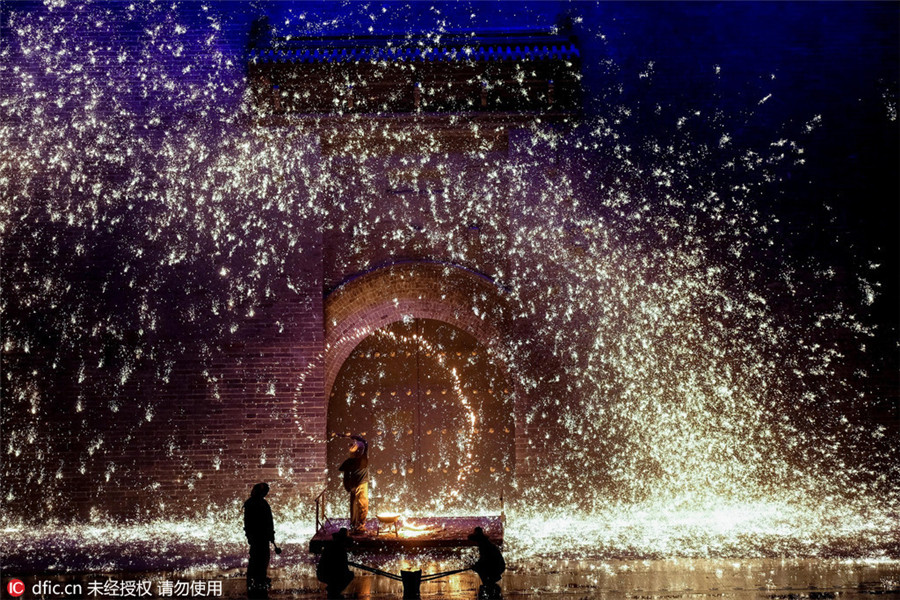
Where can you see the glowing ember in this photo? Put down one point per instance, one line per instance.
(413, 530)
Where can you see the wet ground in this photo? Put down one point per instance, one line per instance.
(775, 579)
(777, 555)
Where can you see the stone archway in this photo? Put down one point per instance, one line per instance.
(396, 298)
(444, 292)
(437, 412)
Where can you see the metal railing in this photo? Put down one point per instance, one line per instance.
(321, 517)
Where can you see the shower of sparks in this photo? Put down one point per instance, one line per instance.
(687, 379)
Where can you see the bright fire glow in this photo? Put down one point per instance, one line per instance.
(413, 530)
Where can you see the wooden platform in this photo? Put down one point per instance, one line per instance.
(417, 534)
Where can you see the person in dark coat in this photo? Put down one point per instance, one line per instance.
(356, 482)
(489, 566)
(333, 569)
(260, 530)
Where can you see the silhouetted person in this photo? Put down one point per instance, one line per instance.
(332, 569)
(356, 481)
(489, 566)
(260, 530)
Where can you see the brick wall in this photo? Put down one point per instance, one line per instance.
(177, 253)
(154, 362)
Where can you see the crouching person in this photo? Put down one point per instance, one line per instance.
(333, 569)
(489, 566)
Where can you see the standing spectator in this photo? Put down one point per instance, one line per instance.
(260, 530)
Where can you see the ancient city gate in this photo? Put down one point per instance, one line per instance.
(415, 354)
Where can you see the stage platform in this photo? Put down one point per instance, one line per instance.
(420, 533)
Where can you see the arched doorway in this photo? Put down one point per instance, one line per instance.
(438, 413)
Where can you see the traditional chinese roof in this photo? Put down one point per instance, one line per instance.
(517, 72)
(473, 49)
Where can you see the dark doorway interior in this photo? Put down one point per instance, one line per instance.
(437, 412)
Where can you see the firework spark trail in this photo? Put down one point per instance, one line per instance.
(134, 206)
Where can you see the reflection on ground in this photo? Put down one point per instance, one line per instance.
(773, 579)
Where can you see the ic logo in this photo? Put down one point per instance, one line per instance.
(15, 587)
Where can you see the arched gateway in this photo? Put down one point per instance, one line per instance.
(414, 361)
